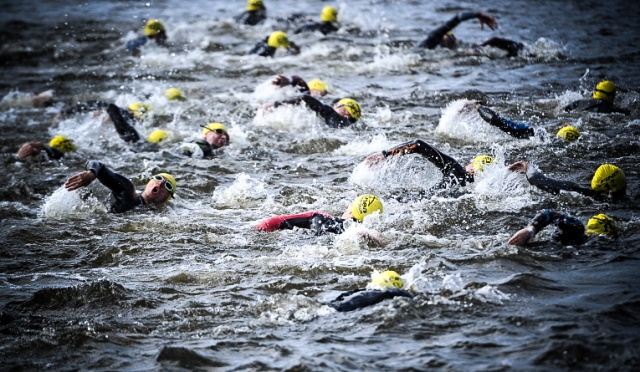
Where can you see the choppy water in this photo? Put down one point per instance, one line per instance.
(190, 286)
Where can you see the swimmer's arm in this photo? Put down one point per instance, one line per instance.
(30, 149)
(113, 181)
(436, 157)
(517, 130)
(435, 36)
(539, 180)
(123, 123)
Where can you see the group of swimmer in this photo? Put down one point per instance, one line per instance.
(608, 183)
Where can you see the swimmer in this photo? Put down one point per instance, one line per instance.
(58, 146)
(601, 101)
(160, 188)
(214, 136)
(383, 286)
(269, 46)
(570, 230)
(322, 223)
(255, 13)
(327, 24)
(153, 30)
(343, 113)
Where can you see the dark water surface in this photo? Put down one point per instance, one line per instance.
(191, 286)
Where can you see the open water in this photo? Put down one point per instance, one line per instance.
(191, 287)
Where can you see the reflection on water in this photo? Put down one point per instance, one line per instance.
(190, 285)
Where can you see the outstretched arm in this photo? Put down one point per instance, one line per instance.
(517, 130)
(570, 227)
(123, 123)
(435, 37)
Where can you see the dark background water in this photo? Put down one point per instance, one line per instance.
(190, 286)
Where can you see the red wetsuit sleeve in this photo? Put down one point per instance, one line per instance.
(283, 222)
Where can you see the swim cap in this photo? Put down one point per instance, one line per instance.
(62, 143)
(158, 135)
(278, 39)
(569, 133)
(153, 27)
(329, 14)
(213, 127)
(171, 180)
(480, 161)
(602, 225)
(253, 5)
(352, 107)
(139, 109)
(174, 94)
(317, 84)
(364, 205)
(608, 177)
(605, 90)
(388, 279)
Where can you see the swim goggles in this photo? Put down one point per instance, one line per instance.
(219, 131)
(167, 185)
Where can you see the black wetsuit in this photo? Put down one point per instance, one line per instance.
(570, 229)
(251, 17)
(123, 194)
(453, 172)
(124, 121)
(263, 49)
(595, 105)
(324, 27)
(326, 112)
(547, 184)
(207, 149)
(511, 47)
(362, 298)
(517, 130)
(435, 37)
(319, 222)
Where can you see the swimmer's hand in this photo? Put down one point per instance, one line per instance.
(30, 149)
(374, 159)
(488, 20)
(519, 166)
(79, 180)
(280, 81)
(521, 237)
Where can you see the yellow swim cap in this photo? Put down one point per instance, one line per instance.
(139, 109)
(608, 177)
(352, 106)
(153, 27)
(174, 94)
(602, 225)
(62, 143)
(317, 84)
(569, 133)
(214, 127)
(158, 135)
(253, 5)
(278, 39)
(329, 14)
(364, 205)
(605, 90)
(388, 279)
(171, 180)
(480, 161)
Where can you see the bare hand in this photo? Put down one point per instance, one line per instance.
(519, 166)
(280, 81)
(488, 20)
(30, 149)
(374, 159)
(79, 180)
(521, 237)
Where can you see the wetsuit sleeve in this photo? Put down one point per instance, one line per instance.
(298, 82)
(517, 130)
(53, 153)
(309, 27)
(451, 169)
(288, 222)
(510, 46)
(324, 223)
(123, 122)
(550, 185)
(571, 229)
(263, 49)
(134, 45)
(123, 193)
(251, 18)
(365, 298)
(435, 37)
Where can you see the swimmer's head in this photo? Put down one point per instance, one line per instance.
(167, 180)
(602, 225)
(569, 133)
(364, 205)
(448, 40)
(153, 27)
(386, 280)
(139, 109)
(158, 136)
(318, 87)
(62, 143)
(174, 94)
(352, 107)
(253, 5)
(278, 39)
(605, 90)
(608, 177)
(480, 161)
(329, 14)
